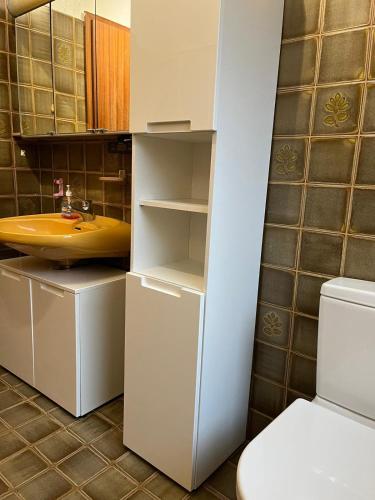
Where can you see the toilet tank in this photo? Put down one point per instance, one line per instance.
(346, 345)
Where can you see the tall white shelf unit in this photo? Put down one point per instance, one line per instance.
(203, 80)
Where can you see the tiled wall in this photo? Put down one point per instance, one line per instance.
(320, 217)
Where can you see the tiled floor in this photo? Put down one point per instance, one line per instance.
(47, 454)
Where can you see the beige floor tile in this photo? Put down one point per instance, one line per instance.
(90, 428)
(38, 429)
(12, 380)
(114, 411)
(202, 494)
(165, 489)
(74, 495)
(48, 486)
(8, 399)
(59, 446)
(20, 414)
(136, 467)
(140, 495)
(3, 428)
(82, 466)
(3, 487)
(63, 416)
(26, 390)
(110, 444)
(22, 467)
(45, 403)
(224, 481)
(10, 444)
(111, 485)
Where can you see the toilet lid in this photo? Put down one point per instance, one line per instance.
(309, 453)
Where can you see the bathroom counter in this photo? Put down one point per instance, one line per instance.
(72, 280)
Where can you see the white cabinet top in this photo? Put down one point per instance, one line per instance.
(73, 280)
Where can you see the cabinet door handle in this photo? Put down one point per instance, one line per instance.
(53, 290)
(161, 287)
(169, 126)
(11, 276)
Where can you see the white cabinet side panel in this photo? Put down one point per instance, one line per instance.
(246, 89)
(16, 339)
(162, 372)
(173, 64)
(55, 349)
(102, 332)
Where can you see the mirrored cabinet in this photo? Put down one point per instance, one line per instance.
(73, 65)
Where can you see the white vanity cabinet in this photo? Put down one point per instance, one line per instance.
(203, 88)
(64, 330)
(16, 341)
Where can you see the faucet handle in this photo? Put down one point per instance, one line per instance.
(87, 205)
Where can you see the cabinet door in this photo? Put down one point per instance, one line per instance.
(162, 373)
(73, 71)
(173, 65)
(35, 75)
(55, 345)
(16, 339)
(112, 49)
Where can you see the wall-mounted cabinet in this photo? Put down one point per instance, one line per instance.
(63, 331)
(73, 67)
(174, 65)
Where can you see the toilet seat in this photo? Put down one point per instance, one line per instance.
(309, 453)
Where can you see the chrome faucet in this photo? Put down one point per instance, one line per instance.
(69, 207)
(85, 211)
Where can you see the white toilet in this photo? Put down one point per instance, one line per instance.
(325, 450)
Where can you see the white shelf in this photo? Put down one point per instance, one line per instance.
(187, 273)
(185, 205)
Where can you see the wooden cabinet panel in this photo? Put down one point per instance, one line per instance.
(162, 374)
(16, 340)
(107, 73)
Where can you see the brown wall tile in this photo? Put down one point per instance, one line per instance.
(305, 336)
(343, 57)
(280, 246)
(308, 294)
(321, 253)
(270, 362)
(284, 204)
(326, 208)
(273, 325)
(340, 14)
(363, 220)
(288, 160)
(360, 259)
(292, 114)
(276, 287)
(331, 160)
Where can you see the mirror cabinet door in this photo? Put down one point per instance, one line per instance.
(34, 68)
(112, 50)
(73, 61)
(70, 69)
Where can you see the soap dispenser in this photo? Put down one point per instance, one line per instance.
(66, 206)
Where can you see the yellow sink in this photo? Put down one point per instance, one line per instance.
(64, 240)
